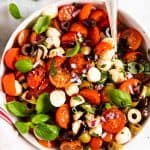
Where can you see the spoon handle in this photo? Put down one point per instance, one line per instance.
(112, 9)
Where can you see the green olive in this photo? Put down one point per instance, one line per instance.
(85, 50)
(85, 137)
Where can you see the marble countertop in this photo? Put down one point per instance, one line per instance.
(138, 9)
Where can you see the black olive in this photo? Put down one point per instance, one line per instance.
(27, 50)
(66, 135)
(89, 23)
(65, 26)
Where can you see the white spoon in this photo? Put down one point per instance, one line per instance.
(112, 9)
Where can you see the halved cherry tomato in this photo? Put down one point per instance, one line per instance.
(35, 77)
(79, 28)
(10, 57)
(128, 85)
(79, 62)
(23, 37)
(132, 56)
(55, 23)
(97, 15)
(101, 47)
(33, 37)
(71, 145)
(58, 62)
(47, 144)
(61, 79)
(65, 12)
(133, 37)
(69, 37)
(96, 143)
(113, 120)
(108, 137)
(91, 96)
(85, 11)
(63, 116)
(104, 23)
(8, 82)
(94, 34)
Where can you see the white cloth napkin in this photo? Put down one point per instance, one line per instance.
(138, 9)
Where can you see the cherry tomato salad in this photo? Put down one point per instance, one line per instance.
(68, 86)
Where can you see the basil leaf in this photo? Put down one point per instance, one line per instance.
(39, 118)
(74, 51)
(43, 103)
(46, 132)
(107, 105)
(17, 108)
(120, 98)
(14, 11)
(53, 71)
(42, 24)
(24, 65)
(23, 127)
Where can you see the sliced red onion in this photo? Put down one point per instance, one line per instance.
(76, 13)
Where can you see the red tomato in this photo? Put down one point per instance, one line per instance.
(63, 116)
(35, 77)
(133, 37)
(97, 15)
(48, 144)
(96, 143)
(113, 120)
(65, 12)
(91, 96)
(69, 37)
(71, 145)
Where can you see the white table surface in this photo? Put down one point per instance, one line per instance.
(139, 9)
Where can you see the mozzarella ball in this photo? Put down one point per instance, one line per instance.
(96, 131)
(51, 11)
(117, 76)
(18, 88)
(118, 64)
(104, 65)
(57, 98)
(76, 100)
(93, 74)
(72, 89)
(134, 116)
(52, 32)
(56, 52)
(107, 54)
(123, 136)
(52, 41)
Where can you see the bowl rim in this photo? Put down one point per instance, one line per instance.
(30, 19)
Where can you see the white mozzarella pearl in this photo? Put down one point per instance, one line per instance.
(52, 32)
(18, 88)
(72, 89)
(93, 74)
(123, 136)
(76, 100)
(76, 126)
(57, 98)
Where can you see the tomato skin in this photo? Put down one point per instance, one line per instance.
(79, 28)
(128, 85)
(108, 137)
(96, 143)
(133, 37)
(65, 12)
(114, 120)
(94, 34)
(91, 96)
(23, 37)
(10, 57)
(101, 47)
(97, 15)
(35, 77)
(63, 116)
(48, 144)
(79, 61)
(85, 11)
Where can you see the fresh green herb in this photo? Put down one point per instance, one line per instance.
(77, 98)
(74, 51)
(17, 108)
(134, 68)
(147, 68)
(43, 103)
(88, 108)
(23, 127)
(120, 98)
(24, 65)
(39, 118)
(103, 65)
(94, 134)
(107, 105)
(14, 11)
(104, 77)
(53, 70)
(46, 132)
(42, 24)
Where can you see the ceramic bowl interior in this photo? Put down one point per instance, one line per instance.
(123, 16)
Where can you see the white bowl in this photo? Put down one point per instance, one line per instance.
(124, 17)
